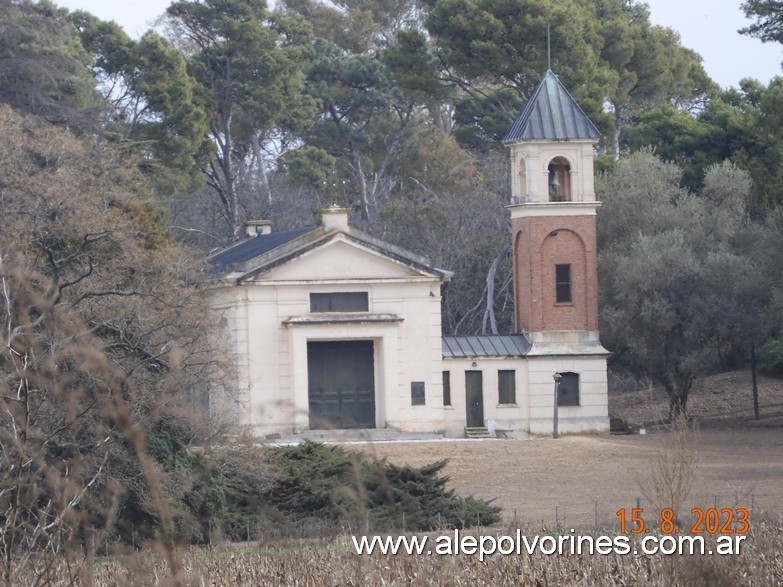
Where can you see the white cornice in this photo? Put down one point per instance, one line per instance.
(530, 209)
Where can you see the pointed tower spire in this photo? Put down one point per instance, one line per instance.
(551, 114)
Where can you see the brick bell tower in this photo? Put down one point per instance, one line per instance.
(553, 227)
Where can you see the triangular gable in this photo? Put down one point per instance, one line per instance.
(551, 114)
(341, 258)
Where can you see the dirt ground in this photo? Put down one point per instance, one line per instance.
(720, 401)
(581, 481)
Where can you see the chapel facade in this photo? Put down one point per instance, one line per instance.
(332, 328)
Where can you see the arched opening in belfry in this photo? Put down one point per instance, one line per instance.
(559, 180)
(522, 181)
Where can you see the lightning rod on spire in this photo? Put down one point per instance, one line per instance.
(548, 49)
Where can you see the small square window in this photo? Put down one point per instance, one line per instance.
(507, 387)
(568, 390)
(562, 284)
(447, 388)
(417, 393)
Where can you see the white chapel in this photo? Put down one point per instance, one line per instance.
(332, 328)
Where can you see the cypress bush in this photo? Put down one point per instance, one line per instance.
(330, 483)
(308, 490)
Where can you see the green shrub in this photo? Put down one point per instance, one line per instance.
(309, 490)
(771, 358)
(194, 488)
(320, 482)
(420, 495)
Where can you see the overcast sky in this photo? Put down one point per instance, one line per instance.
(707, 26)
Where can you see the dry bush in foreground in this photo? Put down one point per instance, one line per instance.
(103, 355)
(672, 472)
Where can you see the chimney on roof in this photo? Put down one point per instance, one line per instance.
(335, 218)
(256, 227)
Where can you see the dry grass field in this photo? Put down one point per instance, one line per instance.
(546, 486)
(760, 564)
(574, 479)
(742, 467)
(581, 481)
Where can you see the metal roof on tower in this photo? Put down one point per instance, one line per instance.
(551, 114)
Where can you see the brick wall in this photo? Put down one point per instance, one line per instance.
(540, 243)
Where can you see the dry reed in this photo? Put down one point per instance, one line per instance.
(759, 563)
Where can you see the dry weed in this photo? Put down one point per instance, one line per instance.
(669, 479)
(760, 563)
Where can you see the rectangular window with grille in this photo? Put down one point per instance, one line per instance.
(507, 387)
(342, 301)
(447, 388)
(562, 284)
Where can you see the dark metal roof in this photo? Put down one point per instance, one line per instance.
(485, 345)
(264, 252)
(551, 114)
(253, 247)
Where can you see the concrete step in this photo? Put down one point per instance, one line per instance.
(619, 426)
(477, 432)
(352, 435)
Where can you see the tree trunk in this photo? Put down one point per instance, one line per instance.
(678, 400)
(489, 311)
(365, 201)
(676, 409)
(618, 127)
(755, 383)
(223, 174)
(261, 163)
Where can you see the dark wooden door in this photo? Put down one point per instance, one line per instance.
(341, 384)
(474, 398)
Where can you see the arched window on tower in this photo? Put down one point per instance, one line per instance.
(559, 180)
(522, 182)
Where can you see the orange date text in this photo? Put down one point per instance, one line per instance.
(702, 521)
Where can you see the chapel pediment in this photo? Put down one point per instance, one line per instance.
(334, 251)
